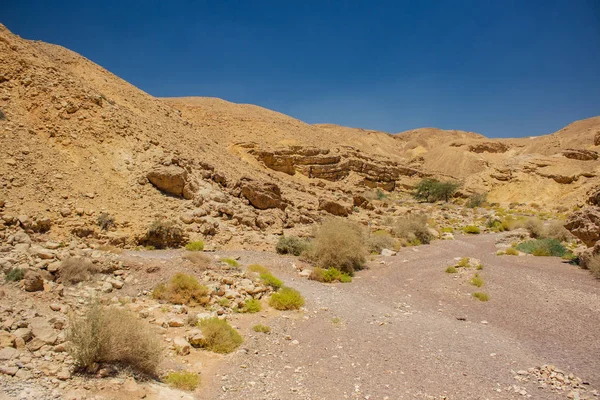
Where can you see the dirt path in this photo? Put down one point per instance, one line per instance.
(405, 329)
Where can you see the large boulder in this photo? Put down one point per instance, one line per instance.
(585, 225)
(263, 195)
(33, 281)
(335, 207)
(173, 180)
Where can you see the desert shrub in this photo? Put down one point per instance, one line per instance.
(261, 328)
(534, 226)
(329, 275)
(182, 289)
(15, 274)
(340, 244)
(219, 336)
(270, 280)
(291, 245)
(286, 299)
(200, 260)
(556, 230)
(198, 245)
(183, 380)
(412, 228)
(463, 263)
(481, 296)
(431, 190)
(471, 229)
(593, 264)
(380, 240)
(259, 269)
(543, 247)
(447, 229)
(231, 262)
(113, 336)
(497, 225)
(476, 200)
(511, 251)
(163, 234)
(74, 270)
(477, 281)
(251, 306)
(479, 267)
(105, 221)
(451, 270)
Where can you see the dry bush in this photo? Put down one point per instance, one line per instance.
(535, 227)
(105, 221)
(220, 337)
(162, 234)
(200, 260)
(182, 289)
(340, 244)
(74, 270)
(593, 264)
(184, 380)
(114, 336)
(291, 245)
(556, 230)
(380, 240)
(412, 228)
(286, 299)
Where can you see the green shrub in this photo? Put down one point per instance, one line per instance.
(329, 275)
(463, 263)
(340, 244)
(477, 281)
(479, 267)
(286, 299)
(113, 336)
(224, 302)
(259, 269)
(380, 240)
(231, 262)
(345, 278)
(481, 296)
(219, 336)
(476, 200)
(183, 380)
(252, 306)
(451, 270)
(432, 190)
(543, 247)
(511, 251)
(195, 246)
(182, 289)
(496, 225)
(413, 229)
(471, 229)
(261, 328)
(270, 280)
(15, 274)
(291, 245)
(163, 234)
(447, 229)
(105, 221)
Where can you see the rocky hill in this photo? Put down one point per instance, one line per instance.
(79, 142)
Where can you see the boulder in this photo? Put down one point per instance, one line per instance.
(33, 282)
(263, 195)
(585, 256)
(388, 252)
(338, 208)
(585, 225)
(196, 338)
(182, 347)
(173, 180)
(8, 353)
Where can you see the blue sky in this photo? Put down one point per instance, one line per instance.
(501, 68)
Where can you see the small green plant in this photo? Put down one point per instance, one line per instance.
(479, 267)
(345, 278)
(198, 245)
(336, 321)
(447, 229)
(231, 262)
(219, 336)
(270, 280)
(15, 274)
(259, 269)
(481, 296)
(286, 299)
(182, 289)
(511, 251)
(543, 247)
(291, 245)
(463, 263)
(261, 328)
(472, 230)
(329, 275)
(224, 302)
(477, 281)
(451, 270)
(183, 380)
(252, 306)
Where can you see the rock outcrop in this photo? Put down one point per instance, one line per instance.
(581, 154)
(262, 195)
(173, 180)
(585, 225)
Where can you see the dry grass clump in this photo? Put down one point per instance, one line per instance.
(511, 251)
(291, 245)
(477, 281)
(556, 230)
(593, 265)
(329, 275)
(451, 270)
(413, 229)
(259, 269)
(183, 380)
(340, 244)
(270, 280)
(219, 336)
(231, 262)
(261, 328)
(114, 336)
(472, 230)
(286, 299)
(251, 306)
(200, 260)
(198, 245)
(74, 270)
(481, 296)
(380, 240)
(163, 234)
(182, 289)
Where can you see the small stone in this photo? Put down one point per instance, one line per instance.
(55, 307)
(63, 374)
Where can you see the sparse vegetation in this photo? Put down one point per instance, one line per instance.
(511, 251)
(340, 244)
(481, 296)
(477, 280)
(220, 337)
(74, 270)
(183, 380)
(291, 245)
(329, 275)
(412, 229)
(251, 306)
(432, 190)
(259, 269)
(472, 230)
(270, 280)
(182, 289)
(476, 200)
(224, 302)
(197, 245)
(451, 270)
(286, 299)
(113, 336)
(543, 247)
(15, 274)
(380, 240)
(105, 221)
(261, 328)
(163, 234)
(463, 263)
(231, 262)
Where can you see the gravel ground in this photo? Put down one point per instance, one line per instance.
(405, 329)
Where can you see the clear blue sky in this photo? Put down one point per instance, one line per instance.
(501, 68)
